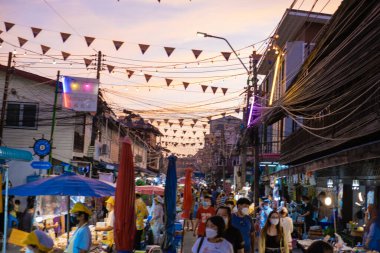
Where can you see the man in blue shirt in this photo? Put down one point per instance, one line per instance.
(243, 222)
(265, 213)
(80, 242)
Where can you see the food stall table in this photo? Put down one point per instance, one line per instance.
(305, 244)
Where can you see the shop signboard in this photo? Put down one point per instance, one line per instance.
(41, 165)
(80, 94)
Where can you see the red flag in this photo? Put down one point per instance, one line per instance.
(226, 55)
(170, 124)
(165, 130)
(204, 88)
(180, 120)
(237, 110)
(194, 132)
(196, 53)
(22, 41)
(184, 131)
(118, 44)
(44, 49)
(185, 85)
(166, 121)
(87, 62)
(224, 90)
(192, 125)
(143, 48)
(151, 121)
(8, 26)
(89, 40)
(130, 73)
(65, 36)
(147, 77)
(65, 55)
(174, 131)
(168, 81)
(110, 68)
(35, 31)
(169, 50)
(181, 125)
(214, 89)
(158, 122)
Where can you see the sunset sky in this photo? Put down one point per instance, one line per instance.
(171, 23)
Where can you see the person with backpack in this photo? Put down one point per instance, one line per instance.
(213, 242)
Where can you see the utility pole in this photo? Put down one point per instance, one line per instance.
(243, 149)
(256, 138)
(8, 74)
(95, 119)
(54, 119)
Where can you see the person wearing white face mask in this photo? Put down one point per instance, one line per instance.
(213, 242)
(243, 222)
(231, 233)
(272, 237)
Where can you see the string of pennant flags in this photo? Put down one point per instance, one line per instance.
(90, 39)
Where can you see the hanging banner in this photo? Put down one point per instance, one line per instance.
(80, 94)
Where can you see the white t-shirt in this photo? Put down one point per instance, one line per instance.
(110, 220)
(209, 247)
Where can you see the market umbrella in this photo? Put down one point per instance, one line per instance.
(170, 206)
(125, 226)
(187, 194)
(150, 189)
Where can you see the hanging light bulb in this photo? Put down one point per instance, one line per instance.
(1, 44)
(141, 73)
(14, 51)
(40, 59)
(277, 52)
(330, 183)
(25, 53)
(54, 62)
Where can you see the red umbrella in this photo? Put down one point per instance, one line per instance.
(125, 201)
(150, 189)
(187, 194)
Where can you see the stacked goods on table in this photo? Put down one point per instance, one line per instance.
(315, 232)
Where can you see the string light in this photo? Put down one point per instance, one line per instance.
(25, 53)
(14, 51)
(1, 45)
(54, 62)
(141, 73)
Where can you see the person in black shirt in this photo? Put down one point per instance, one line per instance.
(307, 212)
(231, 234)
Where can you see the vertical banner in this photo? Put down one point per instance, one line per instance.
(80, 94)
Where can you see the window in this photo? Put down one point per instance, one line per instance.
(21, 115)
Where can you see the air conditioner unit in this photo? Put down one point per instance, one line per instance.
(104, 149)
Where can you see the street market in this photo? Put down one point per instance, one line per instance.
(175, 126)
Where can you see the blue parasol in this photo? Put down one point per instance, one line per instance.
(170, 206)
(67, 184)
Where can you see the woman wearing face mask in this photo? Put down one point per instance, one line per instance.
(204, 212)
(231, 234)
(39, 242)
(273, 238)
(214, 241)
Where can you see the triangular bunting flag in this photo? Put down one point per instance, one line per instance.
(192, 125)
(237, 110)
(174, 131)
(174, 136)
(65, 55)
(87, 62)
(184, 131)
(226, 55)
(147, 77)
(166, 121)
(35, 31)
(169, 50)
(44, 49)
(201, 143)
(151, 121)
(204, 88)
(143, 48)
(165, 130)
(194, 132)
(195, 121)
(118, 44)
(89, 40)
(181, 125)
(204, 133)
(1, 40)
(65, 36)
(168, 81)
(223, 114)
(180, 120)
(130, 73)
(110, 68)
(170, 124)
(158, 123)
(196, 53)
(224, 90)
(22, 41)
(198, 138)
(182, 137)
(214, 89)
(185, 85)
(209, 118)
(204, 125)
(1, 31)
(8, 26)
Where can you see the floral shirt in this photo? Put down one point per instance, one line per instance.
(141, 213)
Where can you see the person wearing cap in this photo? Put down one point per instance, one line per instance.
(80, 241)
(287, 224)
(109, 222)
(39, 242)
(157, 221)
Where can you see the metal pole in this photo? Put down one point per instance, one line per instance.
(5, 168)
(5, 96)
(54, 119)
(243, 151)
(256, 137)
